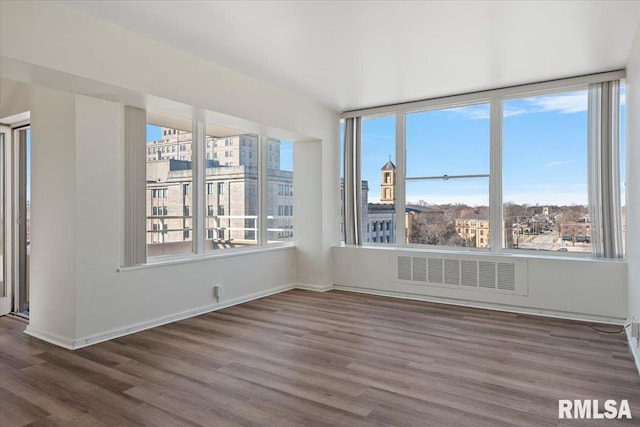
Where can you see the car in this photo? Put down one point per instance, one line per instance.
(562, 250)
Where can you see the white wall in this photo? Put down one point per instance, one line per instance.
(87, 299)
(633, 185)
(52, 270)
(579, 289)
(48, 44)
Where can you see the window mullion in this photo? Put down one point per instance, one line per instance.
(401, 226)
(262, 220)
(199, 186)
(495, 179)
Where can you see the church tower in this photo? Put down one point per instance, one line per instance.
(388, 184)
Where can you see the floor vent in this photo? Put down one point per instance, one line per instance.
(506, 276)
(465, 272)
(404, 268)
(419, 269)
(435, 270)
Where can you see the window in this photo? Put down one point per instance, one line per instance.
(519, 168)
(160, 180)
(279, 191)
(378, 173)
(232, 199)
(544, 174)
(231, 213)
(447, 174)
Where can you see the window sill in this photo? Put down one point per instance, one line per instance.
(525, 254)
(168, 260)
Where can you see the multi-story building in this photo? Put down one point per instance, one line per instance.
(231, 188)
(579, 231)
(233, 150)
(474, 228)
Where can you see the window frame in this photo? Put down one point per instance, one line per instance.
(196, 190)
(495, 98)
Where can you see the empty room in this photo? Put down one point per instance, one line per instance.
(323, 213)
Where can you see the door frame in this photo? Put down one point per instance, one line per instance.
(6, 168)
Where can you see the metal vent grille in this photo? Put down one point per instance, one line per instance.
(419, 269)
(506, 276)
(469, 273)
(487, 276)
(499, 276)
(404, 268)
(435, 270)
(451, 271)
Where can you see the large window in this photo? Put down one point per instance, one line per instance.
(2, 208)
(203, 188)
(279, 190)
(378, 180)
(447, 188)
(533, 168)
(623, 164)
(232, 176)
(169, 197)
(544, 173)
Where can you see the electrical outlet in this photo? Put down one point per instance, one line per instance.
(217, 292)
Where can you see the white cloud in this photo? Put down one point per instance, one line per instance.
(556, 163)
(564, 103)
(441, 199)
(473, 112)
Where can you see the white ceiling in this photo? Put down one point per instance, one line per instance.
(355, 54)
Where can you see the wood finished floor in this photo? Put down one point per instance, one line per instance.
(321, 359)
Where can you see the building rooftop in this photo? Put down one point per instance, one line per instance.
(389, 166)
(422, 209)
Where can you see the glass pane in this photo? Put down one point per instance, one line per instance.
(279, 191)
(2, 172)
(448, 213)
(454, 141)
(231, 189)
(378, 179)
(545, 186)
(623, 162)
(169, 190)
(342, 180)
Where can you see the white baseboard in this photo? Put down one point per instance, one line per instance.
(50, 338)
(633, 347)
(313, 287)
(485, 305)
(119, 332)
(88, 340)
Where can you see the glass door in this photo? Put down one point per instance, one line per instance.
(23, 235)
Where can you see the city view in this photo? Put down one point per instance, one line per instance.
(544, 175)
(231, 187)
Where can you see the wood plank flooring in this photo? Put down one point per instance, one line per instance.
(321, 359)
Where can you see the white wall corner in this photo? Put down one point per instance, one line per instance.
(313, 287)
(634, 347)
(51, 338)
(132, 329)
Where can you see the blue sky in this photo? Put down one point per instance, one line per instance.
(544, 151)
